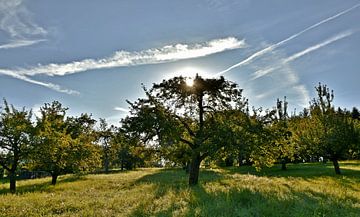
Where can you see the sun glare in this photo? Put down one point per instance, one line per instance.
(189, 73)
(189, 82)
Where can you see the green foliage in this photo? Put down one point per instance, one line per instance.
(175, 113)
(329, 133)
(63, 146)
(15, 134)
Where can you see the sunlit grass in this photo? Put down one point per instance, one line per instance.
(302, 190)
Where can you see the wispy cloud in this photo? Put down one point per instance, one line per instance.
(164, 54)
(121, 109)
(16, 21)
(274, 46)
(262, 72)
(304, 101)
(51, 86)
(20, 43)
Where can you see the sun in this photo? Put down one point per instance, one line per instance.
(189, 82)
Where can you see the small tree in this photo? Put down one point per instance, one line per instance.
(15, 132)
(105, 136)
(283, 144)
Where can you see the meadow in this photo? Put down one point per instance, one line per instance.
(310, 189)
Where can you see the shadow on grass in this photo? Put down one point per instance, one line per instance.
(306, 170)
(45, 185)
(209, 198)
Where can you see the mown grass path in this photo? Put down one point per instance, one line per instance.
(303, 190)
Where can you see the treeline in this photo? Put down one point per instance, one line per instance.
(207, 123)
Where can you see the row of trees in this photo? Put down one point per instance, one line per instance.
(179, 125)
(58, 144)
(211, 121)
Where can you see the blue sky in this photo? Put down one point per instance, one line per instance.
(93, 55)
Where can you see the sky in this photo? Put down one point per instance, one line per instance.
(92, 56)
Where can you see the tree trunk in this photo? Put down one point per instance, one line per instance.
(194, 170)
(283, 164)
(12, 177)
(187, 167)
(106, 164)
(54, 178)
(122, 165)
(336, 166)
(240, 160)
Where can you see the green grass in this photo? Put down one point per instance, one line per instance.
(302, 190)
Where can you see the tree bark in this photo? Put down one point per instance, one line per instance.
(54, 178)
(12, 177)
(194, 170)
(336, 166)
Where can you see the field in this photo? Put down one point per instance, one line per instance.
(302, 190)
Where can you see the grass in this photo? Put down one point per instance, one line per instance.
(302, 190)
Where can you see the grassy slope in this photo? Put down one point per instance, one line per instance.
(303, 190)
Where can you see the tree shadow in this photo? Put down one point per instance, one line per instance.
(205, 200)
(44, 186)
(306, 170)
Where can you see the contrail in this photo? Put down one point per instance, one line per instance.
(272, 47)
(318, 46)
(263, 72)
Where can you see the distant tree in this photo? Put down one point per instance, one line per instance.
(332, 133)
(355, 114)
(282, 135)
(192, 108)
(15, 132)
(85, 155)
(129, 151)
(230, 132)
(263, 150)
(63, 145)
(105, 136)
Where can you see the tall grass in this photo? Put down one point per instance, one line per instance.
(302, 190)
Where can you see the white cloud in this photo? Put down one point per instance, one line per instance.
(124, 58)
(16, 21)
(304, 102)
(274, 46)
(20, 43)
(151, 56)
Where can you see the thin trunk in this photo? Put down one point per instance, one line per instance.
(12, 177)
(106, 165)
(240, 160)
(194, 170)
(54, 178)
(336, 166)
(283, 164)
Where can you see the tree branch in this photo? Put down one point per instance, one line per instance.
(187, 127)
(4, 165)
(192, 146)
